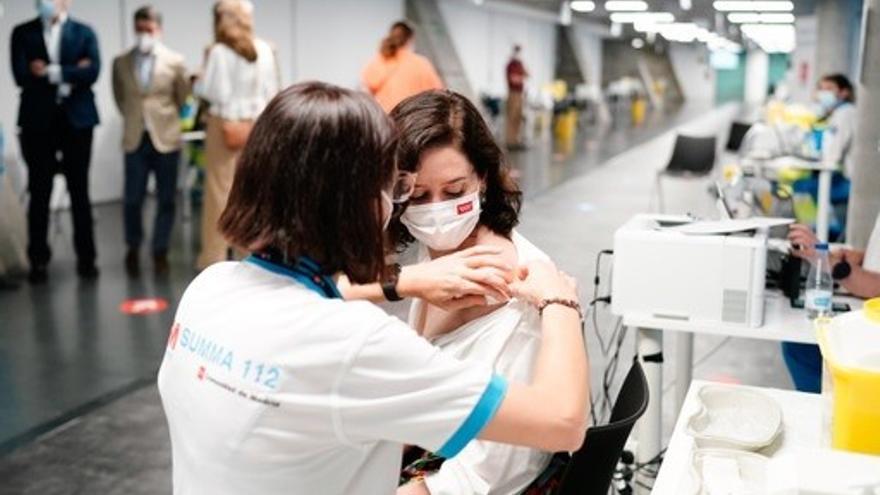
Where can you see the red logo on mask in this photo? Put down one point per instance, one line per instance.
(201, 373)
(465, 207)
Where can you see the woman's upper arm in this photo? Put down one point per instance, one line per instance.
(524, 419)
(374, 75)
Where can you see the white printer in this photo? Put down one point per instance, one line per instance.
(661, 272)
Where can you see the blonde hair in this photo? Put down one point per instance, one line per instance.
(234, 27)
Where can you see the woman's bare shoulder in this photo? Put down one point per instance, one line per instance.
(486, 237)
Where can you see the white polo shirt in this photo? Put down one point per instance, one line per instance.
(271, 388)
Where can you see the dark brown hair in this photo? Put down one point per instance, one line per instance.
(842, 82)
(309, 180)
(398, 36)
(148, 13)
(444, 118)
(233, 27)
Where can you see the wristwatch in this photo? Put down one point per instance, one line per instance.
(389, 287)
(841, 270)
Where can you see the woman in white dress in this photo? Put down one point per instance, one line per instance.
(239, 78)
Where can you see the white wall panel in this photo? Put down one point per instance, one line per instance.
(484, 35)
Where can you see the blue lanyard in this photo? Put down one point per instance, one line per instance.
(305, 271)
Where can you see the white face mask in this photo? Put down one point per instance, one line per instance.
(387, 209)
(827, 99)
(445, 225)
(145, 42)
(46, 9)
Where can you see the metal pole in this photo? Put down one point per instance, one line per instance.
(684, 367)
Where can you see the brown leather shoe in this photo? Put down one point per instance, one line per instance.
(160, 264)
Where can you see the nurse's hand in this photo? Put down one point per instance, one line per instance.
(459, 280)
(540, 280)
(803, 241)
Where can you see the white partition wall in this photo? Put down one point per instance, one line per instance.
(484, 35)
(334, 39)
(696, 77)
(757, 72)
(588, 40)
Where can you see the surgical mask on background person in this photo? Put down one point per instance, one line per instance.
(827, 99)
(46, 8)
(445, 225)
(145, 42)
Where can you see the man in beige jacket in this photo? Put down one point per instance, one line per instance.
(150, 86)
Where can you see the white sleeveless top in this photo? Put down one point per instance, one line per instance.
(236, 88)
(507, 339)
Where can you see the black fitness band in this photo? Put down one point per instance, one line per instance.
(389, 287)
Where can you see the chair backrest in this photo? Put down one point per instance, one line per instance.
(692, 155)
(591, 468)
(738, 131)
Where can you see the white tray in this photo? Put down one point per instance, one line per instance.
(728, 472)
(735, 419)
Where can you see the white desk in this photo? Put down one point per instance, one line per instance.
(781, 323)
(803, 429)
(800, 458)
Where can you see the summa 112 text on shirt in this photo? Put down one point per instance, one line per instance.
(222, 357)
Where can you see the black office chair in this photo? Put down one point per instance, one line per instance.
(692, 157)
(738, 131)
(591, 468)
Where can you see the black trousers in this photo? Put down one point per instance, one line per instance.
(59, 148)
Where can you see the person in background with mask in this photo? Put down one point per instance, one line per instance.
(836, 97)
(150, 86)
(837, 100)
(55, 61)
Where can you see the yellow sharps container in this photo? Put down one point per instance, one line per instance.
(850, 345)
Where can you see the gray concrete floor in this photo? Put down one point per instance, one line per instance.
(80, 413)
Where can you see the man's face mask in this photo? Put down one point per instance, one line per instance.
(46, 9)
(146, 42)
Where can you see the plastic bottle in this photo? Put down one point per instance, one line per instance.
(820, 285)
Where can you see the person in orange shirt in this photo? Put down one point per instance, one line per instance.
(397, 72)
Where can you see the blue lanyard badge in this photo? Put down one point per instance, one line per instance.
(305, 271)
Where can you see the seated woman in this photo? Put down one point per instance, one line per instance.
(464, 197)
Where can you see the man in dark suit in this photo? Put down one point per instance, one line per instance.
(55, 61)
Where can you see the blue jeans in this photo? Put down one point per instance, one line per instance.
(804, 362)
(138, 165)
